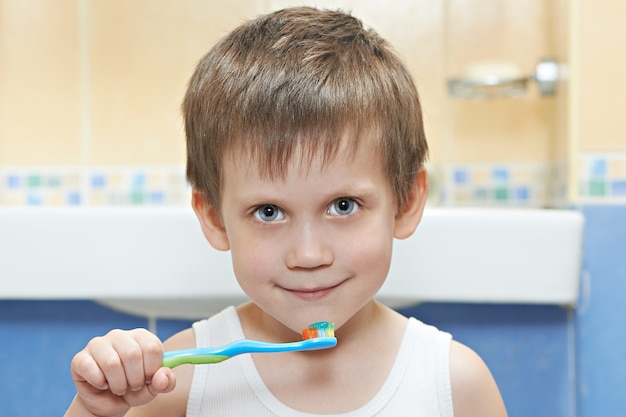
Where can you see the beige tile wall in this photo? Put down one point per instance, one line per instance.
(601, 65)
(39, 83)
(99, 82)
(141, 54)
(501, 129)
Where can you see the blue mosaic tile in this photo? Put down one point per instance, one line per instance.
(481, 194)
(156, 197)
(618, 188)
(598, 168)
(53, 181)
(461, 177)
(500, 175)
(34, 199)
(443, 195)
(522, 193)
(98, 181)
(14, 181)
(73, 198)
(138, 181)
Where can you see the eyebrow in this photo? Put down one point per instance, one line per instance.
(356, 191)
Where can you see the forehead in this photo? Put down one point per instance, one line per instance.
(304, 178)
(308, 153)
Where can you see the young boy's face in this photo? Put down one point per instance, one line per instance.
(314, 245)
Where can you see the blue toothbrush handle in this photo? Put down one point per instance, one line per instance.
(220, 353)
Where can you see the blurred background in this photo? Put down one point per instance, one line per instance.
(90, 94)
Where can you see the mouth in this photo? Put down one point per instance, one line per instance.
(313, 294)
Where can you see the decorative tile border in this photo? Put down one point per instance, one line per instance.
(602, 178)
(496, 185)
(94, 186)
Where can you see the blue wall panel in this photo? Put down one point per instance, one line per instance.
(37, 342)
(526, 348)
(601, 317)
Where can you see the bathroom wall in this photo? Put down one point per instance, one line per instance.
(598, 130)
(90, 94)
(90, 90)
(89, 115)
(523, 345)
(599, 187)
(511, 150)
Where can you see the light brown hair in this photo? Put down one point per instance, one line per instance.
(301, 79)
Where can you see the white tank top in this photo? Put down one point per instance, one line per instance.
(417, 385)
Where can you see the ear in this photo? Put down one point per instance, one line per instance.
(210, 221)
(409, 216)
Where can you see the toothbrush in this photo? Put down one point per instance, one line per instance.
(320, 335)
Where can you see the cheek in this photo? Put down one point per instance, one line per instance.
(370, 252)
(375, 258)
(253, 263)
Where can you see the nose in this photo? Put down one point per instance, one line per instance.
(309, 248)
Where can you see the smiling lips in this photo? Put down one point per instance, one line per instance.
(313, 294)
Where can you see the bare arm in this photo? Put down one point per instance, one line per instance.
(474, 391)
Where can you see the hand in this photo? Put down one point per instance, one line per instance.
(119, 371)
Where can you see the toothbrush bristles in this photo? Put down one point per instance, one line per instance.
(319, 329)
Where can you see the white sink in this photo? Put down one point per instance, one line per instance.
(490, 256)
(155, 262)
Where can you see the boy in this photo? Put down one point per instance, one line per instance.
(305, 154)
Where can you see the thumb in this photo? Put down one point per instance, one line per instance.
(163, 381)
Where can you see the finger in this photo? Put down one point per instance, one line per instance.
(163, 381)
(110, 364)
(85, 369)
(152, 350)
(130, 354)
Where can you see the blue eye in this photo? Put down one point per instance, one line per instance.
(343, 207)
(268, 213)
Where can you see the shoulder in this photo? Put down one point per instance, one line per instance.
(474, 391)
(184, 339)
(173, 403)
